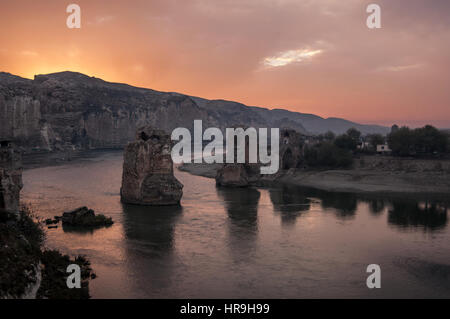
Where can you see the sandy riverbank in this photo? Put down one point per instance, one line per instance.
(356, 180)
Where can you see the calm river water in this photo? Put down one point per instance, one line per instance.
(245, 243)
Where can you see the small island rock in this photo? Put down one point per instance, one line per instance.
(84, 216)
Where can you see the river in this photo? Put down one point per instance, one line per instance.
(282, 242)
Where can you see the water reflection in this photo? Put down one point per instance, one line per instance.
(407, 212)
(149, 246)
(83, 229)
(430, 216)
(290, 203)
(376, 206)
(345, 204)
(152, 227)
(241, 205)
(228, 243)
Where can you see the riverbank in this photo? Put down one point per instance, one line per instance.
(46, 159)
(370, 174)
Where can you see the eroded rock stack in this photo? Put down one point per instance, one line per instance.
(10, 177)
(148, 177)
(239, 174)
(291, 149)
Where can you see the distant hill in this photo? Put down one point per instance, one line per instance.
(71, 110)
(317, 125)
(303, 122)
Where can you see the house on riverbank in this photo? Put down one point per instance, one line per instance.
(383, 149)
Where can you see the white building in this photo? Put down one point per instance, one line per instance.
(383, 149)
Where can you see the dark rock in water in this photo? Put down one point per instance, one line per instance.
(247, 174)
(84, 216)
(148, 177)
(10, 177)
(238, 175)
(50, 221)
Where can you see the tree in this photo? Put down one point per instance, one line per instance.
(426, 140)
(329, 136)
(429, 140)
(401, 142)
(376, 139)
(345, 142)
(394, 128)
(354, 133)
(328, 155)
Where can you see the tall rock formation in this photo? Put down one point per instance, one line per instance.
(239, 174)
(291, 149)
(148, 177)
(10, 177)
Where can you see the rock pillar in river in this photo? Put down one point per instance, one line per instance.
(148, 177)
(291, 149)
(10, 177)
(239, 174)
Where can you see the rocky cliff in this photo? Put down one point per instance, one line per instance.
(73, 111)
(10, 178)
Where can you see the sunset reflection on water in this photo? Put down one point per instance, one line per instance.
(234, 243)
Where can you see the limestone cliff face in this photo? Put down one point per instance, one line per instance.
(72, 111)
(20, 112)
(10, 178)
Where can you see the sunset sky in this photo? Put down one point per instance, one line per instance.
(311, 56)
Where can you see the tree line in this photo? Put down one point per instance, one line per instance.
(424, 141)
(333, 151)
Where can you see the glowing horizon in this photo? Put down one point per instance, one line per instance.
(317, 58)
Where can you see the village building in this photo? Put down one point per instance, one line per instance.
(383, 149)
